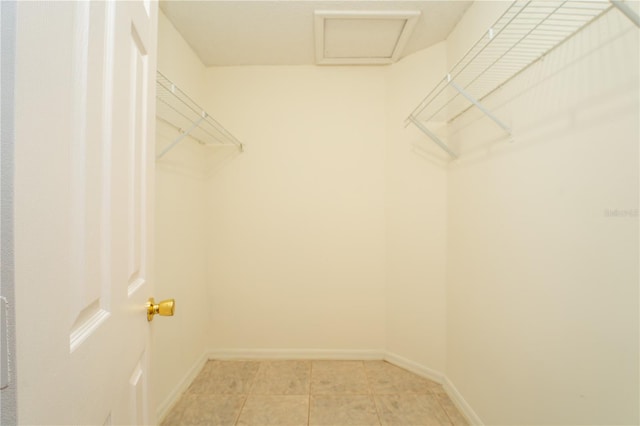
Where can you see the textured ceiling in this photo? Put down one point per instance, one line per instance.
(268, 32)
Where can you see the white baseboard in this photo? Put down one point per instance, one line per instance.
(437, 377)
(461, 403)
(165, 406)
(414, 367)
(295, 354)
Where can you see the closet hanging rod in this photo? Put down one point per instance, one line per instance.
(177, 109)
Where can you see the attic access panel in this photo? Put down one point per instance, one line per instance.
(362, 38)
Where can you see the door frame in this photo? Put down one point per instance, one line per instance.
(8, 414)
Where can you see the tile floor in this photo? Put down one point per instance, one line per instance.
(287, 393)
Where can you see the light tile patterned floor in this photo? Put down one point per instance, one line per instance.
(292, 393)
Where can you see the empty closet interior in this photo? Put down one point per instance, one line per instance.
(466, 208)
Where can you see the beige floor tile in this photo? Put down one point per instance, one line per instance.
(277, 393)
(199, 384)
(210, 365)
(343, 410)
(386, 378)
(413, 409)
(452, 411)
(438, 388)
(174, 417)
(338, 377)
(283, 378)
(211, 410)
(233, 366)
(275, 410)
(225, 378)
(338, 365)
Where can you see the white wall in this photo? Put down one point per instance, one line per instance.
(415, 205)
(296, 223)
(542, 285)
(339, 229)
(180, 245)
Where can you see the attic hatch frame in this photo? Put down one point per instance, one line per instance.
(177, 109)
(408, 18)
(526, 32)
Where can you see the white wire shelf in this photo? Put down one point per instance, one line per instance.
(527, 31)
(176, 108)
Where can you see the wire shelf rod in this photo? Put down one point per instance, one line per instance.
(492, 36)
(210, 121)
(182, 112)
(181, 96)
(192, 106)
(510, 49)
(189, 119)
(525, 32)
(433, 92)
(505, 81)
(529, 61)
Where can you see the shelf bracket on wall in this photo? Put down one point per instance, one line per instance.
(477, 104)
(433, 136)
(626, 11)
(183, 135)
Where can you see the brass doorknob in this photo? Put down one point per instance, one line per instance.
(165, 308)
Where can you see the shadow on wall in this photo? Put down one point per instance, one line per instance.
(427, 153)
(219, 157)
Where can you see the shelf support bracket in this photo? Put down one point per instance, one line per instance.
(433, 136)
(478, 104)
(181, 137)
(626, 11)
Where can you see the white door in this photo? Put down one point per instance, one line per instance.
(84, 167)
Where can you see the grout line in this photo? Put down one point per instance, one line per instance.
(369, 376)
(187, 394)
(309, 407)
(443, 409)
(372, 394)
(246, 397)
(375, 404)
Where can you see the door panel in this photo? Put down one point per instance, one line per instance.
(136, 171)
(89, 148)
(137, 391)
(84, 162)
